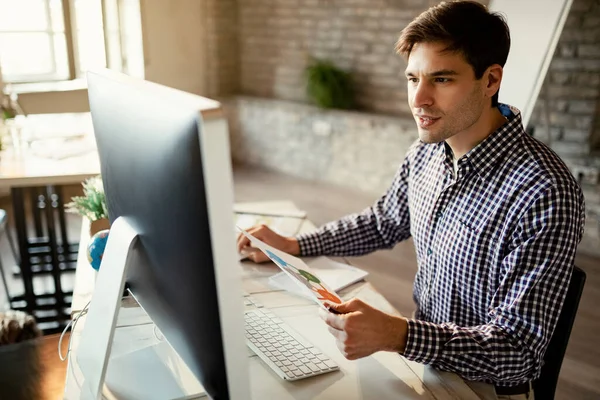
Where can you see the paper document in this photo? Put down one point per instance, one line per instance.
(298, 271)
(283, 225)
(335, 274)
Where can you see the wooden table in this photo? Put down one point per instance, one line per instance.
(56, 150)
(383, 375)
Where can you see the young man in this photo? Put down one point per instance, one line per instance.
(495, 216)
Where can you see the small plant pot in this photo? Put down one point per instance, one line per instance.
(99, 225)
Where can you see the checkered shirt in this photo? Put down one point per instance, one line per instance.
(495, 246)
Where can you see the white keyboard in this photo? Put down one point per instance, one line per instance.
(287, 353)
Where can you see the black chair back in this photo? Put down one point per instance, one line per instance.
(545, 386)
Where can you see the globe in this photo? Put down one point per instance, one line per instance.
(95, 249)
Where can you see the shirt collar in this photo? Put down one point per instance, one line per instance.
(494, 147)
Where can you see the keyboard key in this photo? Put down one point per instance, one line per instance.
(304, 369)
(313, 367)
(290, 355)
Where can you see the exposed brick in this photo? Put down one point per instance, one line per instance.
(560, 78)
(567, 50)
(591, 21)
(589, 50)
(584, 122)
(575, 64)
(587, 79)
(582, 36)
(559, 105)
(570, 149)
(542, 133)
(577, 135)
(573, 20)
(582, 5)
(575, 92)
(582, 106)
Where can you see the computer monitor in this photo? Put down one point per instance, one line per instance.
(167, 176)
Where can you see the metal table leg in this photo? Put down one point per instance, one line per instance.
(45, 253)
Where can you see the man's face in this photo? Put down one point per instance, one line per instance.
(443, 94)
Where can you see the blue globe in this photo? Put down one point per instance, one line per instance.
(95, 249)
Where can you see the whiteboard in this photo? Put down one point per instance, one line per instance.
(535, 27)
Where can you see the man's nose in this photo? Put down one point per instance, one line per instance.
(422, 95)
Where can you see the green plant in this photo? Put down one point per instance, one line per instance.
(329, 86)
(92, 204)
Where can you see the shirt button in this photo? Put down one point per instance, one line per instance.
(429, 252)
(440, 214)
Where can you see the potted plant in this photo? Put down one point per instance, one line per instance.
(91, 205)
(329, 86)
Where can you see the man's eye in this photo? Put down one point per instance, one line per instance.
(442, 80)
(412, 79)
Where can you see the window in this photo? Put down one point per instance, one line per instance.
(54, 40)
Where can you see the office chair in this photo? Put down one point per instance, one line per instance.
(545, 386)
(5, 230)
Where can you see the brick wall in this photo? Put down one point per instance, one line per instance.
(222, 32)
(278, 37)
(567, 107)
(361, 150)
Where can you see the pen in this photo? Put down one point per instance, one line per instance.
(298, 215)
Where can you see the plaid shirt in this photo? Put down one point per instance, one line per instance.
(495, 246)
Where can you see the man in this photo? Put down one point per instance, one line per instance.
(494, 214)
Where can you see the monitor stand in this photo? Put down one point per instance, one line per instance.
(154, 372)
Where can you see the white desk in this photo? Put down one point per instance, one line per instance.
(380, 376)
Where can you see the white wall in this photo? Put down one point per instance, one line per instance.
(174, 45)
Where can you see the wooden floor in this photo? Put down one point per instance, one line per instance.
(392, 271)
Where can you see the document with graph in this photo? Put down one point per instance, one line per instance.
(300, 273)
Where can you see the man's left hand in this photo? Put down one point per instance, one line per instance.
(361, 330)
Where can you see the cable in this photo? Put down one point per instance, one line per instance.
(74, 323)
(155, 334)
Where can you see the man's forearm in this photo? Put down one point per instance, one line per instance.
(353, 235)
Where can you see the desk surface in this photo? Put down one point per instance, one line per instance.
(381, 376)
(57, 149)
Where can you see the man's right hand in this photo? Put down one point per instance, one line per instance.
(264, 233)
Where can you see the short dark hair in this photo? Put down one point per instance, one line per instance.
(482, 37)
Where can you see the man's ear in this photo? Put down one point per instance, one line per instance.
(492, 77)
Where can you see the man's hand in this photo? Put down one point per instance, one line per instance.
(361, 330)
(264, 233)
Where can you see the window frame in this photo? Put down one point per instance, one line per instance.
(72, 44)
